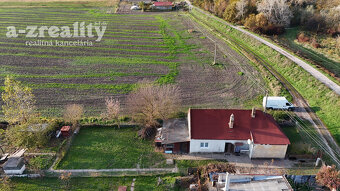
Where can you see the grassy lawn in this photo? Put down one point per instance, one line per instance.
(142, 183)
(107, 147)
(195, 163)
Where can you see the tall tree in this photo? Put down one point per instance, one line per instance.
(73, 114)
(18, 101)
(230, 12)
(151, 102)
(276, 11)
(242, 7)
(112, 110)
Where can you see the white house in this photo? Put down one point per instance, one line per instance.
(236, 131)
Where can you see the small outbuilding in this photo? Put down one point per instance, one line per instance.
(66, 131)
(174, 136)
(14, 165)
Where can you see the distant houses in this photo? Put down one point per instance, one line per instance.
(251, 132)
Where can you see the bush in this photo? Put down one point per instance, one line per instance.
(279, 116)
(40, 162)
(315, 23)
(302, 37)
(31, 135)
(230, 12)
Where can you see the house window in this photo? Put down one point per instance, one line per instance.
(204, 145)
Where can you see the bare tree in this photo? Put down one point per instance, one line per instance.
(151, 102)
(241, 7)
(329, 176)
(112, 110)
(73, 114)
(276, 11)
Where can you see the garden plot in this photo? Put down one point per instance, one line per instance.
(155, 47)
(108, 147)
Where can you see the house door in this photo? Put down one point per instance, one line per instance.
(184, 147)
(229, 148)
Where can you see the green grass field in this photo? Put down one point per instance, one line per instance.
(142, 183)
(107, 147)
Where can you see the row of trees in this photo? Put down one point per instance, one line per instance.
(147, 105)
(271, 16)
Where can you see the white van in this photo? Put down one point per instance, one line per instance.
(277, 103)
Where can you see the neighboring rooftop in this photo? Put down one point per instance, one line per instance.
(175, 131)
(213, 124)
(14, 163)
(162, 4)
(255, 182)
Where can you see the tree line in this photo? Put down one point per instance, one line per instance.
(272, 16)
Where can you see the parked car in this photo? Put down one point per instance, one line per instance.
(277, 103)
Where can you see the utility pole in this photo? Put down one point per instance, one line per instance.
(215, 54)
(265, 102)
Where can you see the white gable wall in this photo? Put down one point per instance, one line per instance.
(213, 145)
(267, 151)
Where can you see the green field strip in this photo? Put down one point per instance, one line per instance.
(90, 75)
(109, 23)
(118, 88)
(117, 60)
(108, 44)
(133, 33)
(72, 57)
(35, 49)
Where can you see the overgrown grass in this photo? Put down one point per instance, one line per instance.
(106, 147)
(196, 163)
(142, 183)
(318, 57)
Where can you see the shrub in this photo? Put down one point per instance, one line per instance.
(302, 37)
(315, 23)
(40, 162)
(250, 22)
(230, 12)
(338, 42)
(329, 176)
(315, 44)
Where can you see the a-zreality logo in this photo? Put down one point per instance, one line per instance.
(78, 30)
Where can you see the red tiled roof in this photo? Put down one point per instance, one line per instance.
(213, 124)
(162, 4)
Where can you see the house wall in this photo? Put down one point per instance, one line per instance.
(17, 171)
(163, 7)
(189, 124)
(213, 145)
(268, 151)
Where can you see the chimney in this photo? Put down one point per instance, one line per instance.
(253, 111)
(231, 121)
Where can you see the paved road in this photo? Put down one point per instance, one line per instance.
(318, 75)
